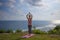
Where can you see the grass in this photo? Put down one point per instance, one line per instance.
(17, 36)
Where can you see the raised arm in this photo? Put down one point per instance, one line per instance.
(27, 16)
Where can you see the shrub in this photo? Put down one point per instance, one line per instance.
(18, 30)
(2, 31)
(57, 27)
(56, 30)
(52, 32)
(9, 31)
(37, 31)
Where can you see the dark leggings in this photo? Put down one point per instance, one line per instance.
(30, 29)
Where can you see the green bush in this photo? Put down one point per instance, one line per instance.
(57, 27)
(52, 32)
(18, 30)
(2, 31)
(9, 31)
(37, 31)
(56, 30)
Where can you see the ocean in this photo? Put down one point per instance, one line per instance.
(22, 25)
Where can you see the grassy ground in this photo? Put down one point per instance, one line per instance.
(17, 36)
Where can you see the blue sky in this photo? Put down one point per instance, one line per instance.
(40, 9)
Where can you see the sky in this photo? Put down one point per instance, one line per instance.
(40, 9)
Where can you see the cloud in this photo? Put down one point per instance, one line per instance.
(1, 3)
(2, 14)
(21, 1)
(32, 2)
(7, 16)
(13, 1)
(17, 11)
(57, 1)
(13, 14)
(56, 15)
(40, 9)
(40, 4)
(10, 3)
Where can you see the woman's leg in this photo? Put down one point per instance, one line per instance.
(30, 29)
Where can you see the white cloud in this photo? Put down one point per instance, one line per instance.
(57, 1)
(7, 16)
(18, 11)
(44, 4)
(56, 15)
(2, 15)
(1, 3)
(40, 9)
(10, 5)
(21, 1)
(13, 1)
(32, 2)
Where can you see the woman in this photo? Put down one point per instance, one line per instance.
(29, 17)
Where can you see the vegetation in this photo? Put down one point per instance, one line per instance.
(37, 31)
(18, 31)
(2, 31)
(17, 36)
(9, 31)
(56, 30)
(39, 35)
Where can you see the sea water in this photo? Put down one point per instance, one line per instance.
(22, 25)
